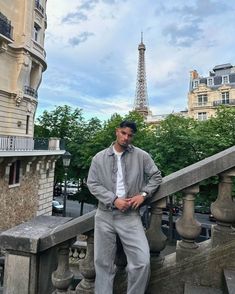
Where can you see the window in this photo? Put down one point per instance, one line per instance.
(225, 97)
(27, 124)
(225, 79)
(202, 99)
(202, 116)
(14, 176)
(210, 81)
(36, 32)
(195, 84)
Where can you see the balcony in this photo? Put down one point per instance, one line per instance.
(202, 104)
(5, 27)
(14, 143)
(39, 6)
(224, 102)
(51, 260)
(31, 92)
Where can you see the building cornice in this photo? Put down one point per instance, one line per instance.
(14, 153)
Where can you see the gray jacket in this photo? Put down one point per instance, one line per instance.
(140, 174)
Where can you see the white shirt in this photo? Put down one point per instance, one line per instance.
(120, 188)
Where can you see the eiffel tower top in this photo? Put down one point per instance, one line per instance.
(141, 95)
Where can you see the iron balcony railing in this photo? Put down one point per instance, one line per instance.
(201, 104)
(5, 26)
(15, 143)
(39, 6)
(224, 102)
(30, 91)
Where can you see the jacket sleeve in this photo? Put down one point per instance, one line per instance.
(96, 188)
(152, 174)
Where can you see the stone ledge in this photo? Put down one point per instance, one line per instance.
(26, 236)
(196, 173)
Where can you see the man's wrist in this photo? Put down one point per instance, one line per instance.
(144, 194)
(115, 200)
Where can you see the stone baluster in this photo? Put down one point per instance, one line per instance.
(156, 238)
(187, 226)
(223, 209)
(86, 268)
(62, 277)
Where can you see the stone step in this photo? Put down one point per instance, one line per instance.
(191, 289)
(229, 275)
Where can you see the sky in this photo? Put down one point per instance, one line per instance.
(92, 52)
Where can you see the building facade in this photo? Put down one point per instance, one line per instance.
(207, 93)
(22, 61)
(27, 164)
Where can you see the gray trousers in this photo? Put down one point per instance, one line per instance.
(130, 230)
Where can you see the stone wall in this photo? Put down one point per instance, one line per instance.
(205, 269)
(31, 197)
(45, 187)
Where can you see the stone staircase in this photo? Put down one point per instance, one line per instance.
(42, 245)
(229, 277)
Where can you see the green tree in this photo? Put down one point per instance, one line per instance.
(176, 143)
(63, 122)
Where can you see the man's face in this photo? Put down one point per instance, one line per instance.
(124, 136)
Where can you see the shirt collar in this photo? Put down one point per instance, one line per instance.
(130, 148)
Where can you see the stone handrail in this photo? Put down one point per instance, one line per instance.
(66, 231)
(37, 240)
(196, 173)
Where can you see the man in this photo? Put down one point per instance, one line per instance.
(121, 177)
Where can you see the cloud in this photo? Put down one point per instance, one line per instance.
(112, 1)
(80, 13)
(183, 36)
(97, 71)
(190, 21)
(202, 9)
(74, 17)
(88, 4)
(75, 41)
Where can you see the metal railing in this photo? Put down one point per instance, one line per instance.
(39, 6)
(201, 104)
(16, 143)
(30, 91)
(224, 102)
(8, 143)
(5, 26)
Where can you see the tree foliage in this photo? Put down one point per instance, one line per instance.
(175, 143)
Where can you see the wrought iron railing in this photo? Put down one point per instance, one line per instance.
(201, 104)
(5, 26)
(39, 6)
(30, 91)
(224, 102)
(41, 144)
(16, 143)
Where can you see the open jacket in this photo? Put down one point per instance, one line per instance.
(140, 174)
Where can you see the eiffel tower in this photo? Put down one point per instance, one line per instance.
(141, 95)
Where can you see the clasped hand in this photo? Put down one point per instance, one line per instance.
(125, 203)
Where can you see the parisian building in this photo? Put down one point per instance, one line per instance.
(209, 92)
(27, 164)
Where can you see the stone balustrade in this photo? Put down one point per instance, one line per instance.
(41, 246)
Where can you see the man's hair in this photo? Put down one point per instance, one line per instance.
(129, 124)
